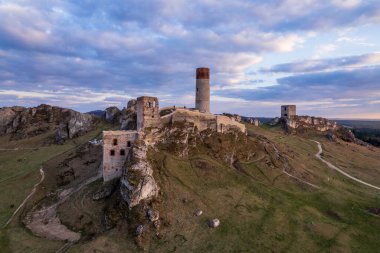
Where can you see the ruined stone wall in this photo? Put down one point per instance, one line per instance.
(148, 114)
(225, 123)
(202, 121)
(116, 146)
(288, 111)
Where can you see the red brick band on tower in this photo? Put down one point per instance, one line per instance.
(203, 73)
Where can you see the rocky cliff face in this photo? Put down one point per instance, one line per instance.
(300, 124)
(126, 117)
(23, 122)
(137, 183)
(182, 139)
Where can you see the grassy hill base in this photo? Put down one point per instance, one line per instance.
(261, 209)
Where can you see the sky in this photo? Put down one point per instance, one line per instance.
(323, 56)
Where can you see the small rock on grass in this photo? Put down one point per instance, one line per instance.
(198, 213)
(214, 223)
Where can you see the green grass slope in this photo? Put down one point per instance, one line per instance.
(261, 209)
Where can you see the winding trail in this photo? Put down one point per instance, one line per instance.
(331, 166)
(44, 222)
(27, 198)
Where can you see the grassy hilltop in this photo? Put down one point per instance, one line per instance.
(261, 209)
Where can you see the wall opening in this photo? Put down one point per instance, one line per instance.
(197, 89)
(114, 142)
(122, 152)
(286, 115)
(128, 144)
(112, 152)
(154, 104)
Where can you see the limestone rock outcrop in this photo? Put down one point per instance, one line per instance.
(300, 124)
(126, 117)
(112, 114)
(22, 122)
(137, 182)
(77, 124)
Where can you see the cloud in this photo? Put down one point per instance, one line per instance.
(53, 51)
(333, 93)
(325, 64)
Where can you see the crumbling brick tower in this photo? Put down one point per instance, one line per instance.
(202, 92)
(148, 114)
(288, 111)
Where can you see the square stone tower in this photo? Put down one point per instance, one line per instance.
(116, 146)
(288, 111)
(148, 114)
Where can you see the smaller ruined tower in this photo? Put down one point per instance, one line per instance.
(147, 110)
(202, 90)
(288, 111)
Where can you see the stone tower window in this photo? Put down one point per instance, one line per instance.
(112, 152)
(197, 89)
(114, 142)
(154, 104)
(122, 152)
(128, 144)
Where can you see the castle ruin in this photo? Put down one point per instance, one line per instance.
(117, 144)
(288, 111)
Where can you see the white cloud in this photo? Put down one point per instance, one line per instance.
(347, 3)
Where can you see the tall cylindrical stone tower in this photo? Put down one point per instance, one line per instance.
(202, 92)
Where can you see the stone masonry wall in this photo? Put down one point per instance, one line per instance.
(205, 121)
(148, 114)
(116, 146)
(288, 111)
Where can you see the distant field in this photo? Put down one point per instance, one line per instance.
(365, 130)
(369, 124)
